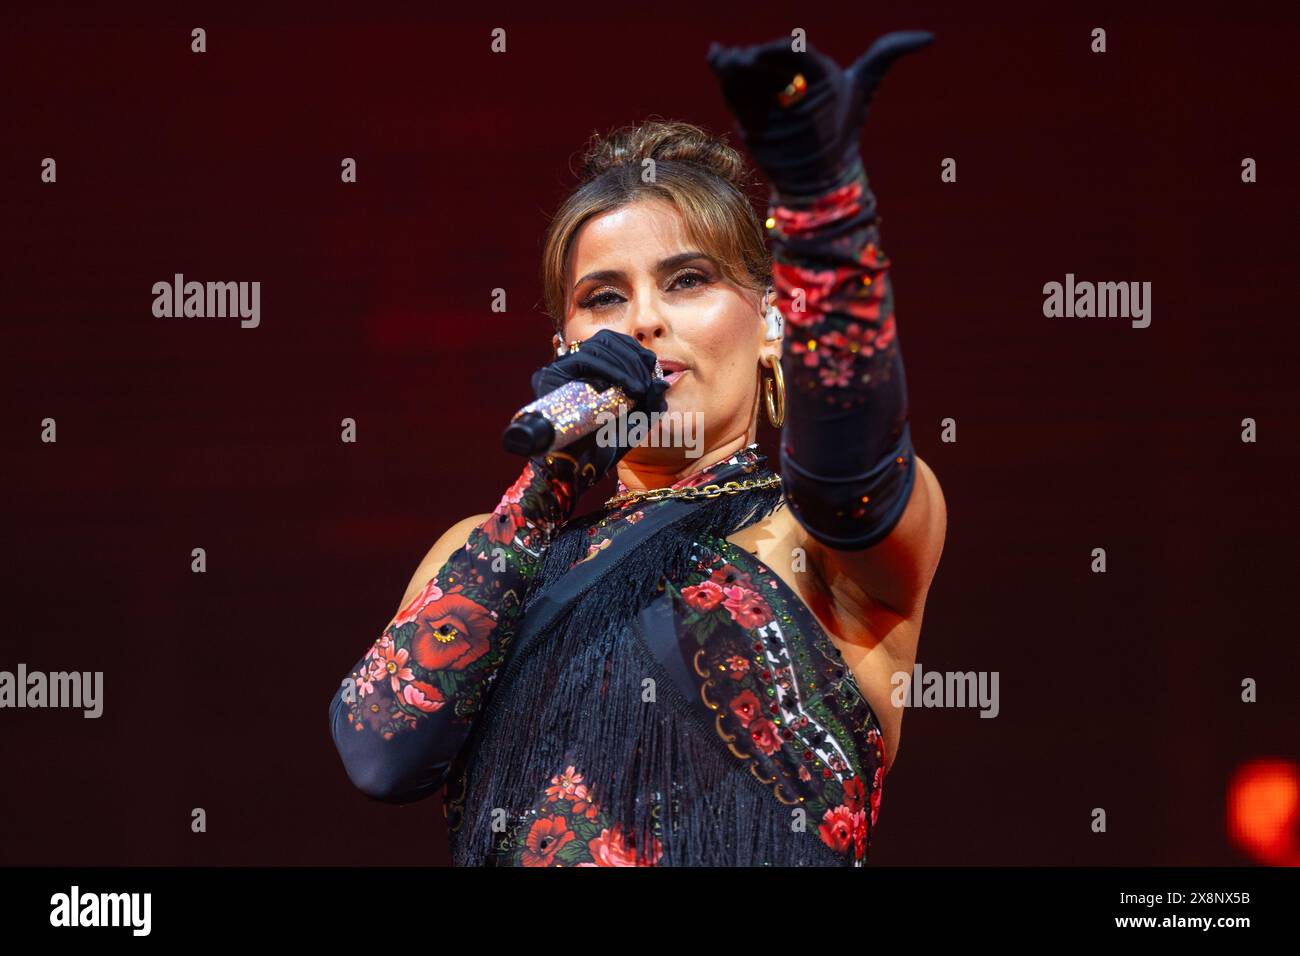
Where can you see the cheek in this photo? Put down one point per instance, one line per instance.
(725, 346)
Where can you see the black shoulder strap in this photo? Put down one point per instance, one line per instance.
(549, 603)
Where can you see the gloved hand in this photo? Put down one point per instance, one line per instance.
(606, 359)
(803, 148)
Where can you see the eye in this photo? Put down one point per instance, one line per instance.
(700, 279)
(598, 300)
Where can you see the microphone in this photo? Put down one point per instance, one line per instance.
(562, 416)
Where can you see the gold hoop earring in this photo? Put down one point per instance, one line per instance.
(775, 415)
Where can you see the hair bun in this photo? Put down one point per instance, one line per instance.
(664, 140)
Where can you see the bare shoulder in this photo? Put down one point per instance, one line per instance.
(896, 572)
(451, 541)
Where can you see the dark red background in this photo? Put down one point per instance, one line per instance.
(1118, 691)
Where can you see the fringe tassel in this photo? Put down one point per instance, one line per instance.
(580, 697)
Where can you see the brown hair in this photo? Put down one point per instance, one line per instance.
(698, 173)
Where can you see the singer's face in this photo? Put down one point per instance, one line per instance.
(634, 270)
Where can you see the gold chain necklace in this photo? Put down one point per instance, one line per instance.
(697, 491)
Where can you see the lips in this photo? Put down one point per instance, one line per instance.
(672, 370)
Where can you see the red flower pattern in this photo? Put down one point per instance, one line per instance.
(451, 633)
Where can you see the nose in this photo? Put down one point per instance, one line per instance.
(646, 325)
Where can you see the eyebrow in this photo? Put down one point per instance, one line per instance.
(665, 265)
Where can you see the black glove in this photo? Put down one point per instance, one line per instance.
(606, 359)
(803, 148)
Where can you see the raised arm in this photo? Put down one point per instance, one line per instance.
(851, 476)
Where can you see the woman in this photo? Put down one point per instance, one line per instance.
(692, 674)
